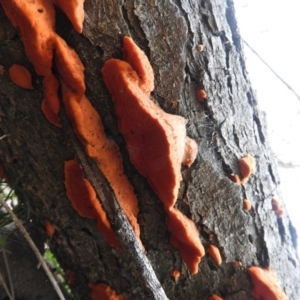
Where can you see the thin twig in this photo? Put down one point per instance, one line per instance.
(34, 248)
(272, 70)
(8, 274)
(3, 136)
(6, 288)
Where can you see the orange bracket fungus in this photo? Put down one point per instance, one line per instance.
(104, 292)
(265, 285)
(277, 208)
(156, 141)
(247, 167)
(84, 200)
(214, 297)
(235, 178)
(247, 204)
(35, 20)
(20, 76)
(49, 228)
(214, 252)
(74, 11)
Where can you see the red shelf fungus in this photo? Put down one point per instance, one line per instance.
(74, 11)
(104, 292)
(247, 167)
(247, 204)
(185, 237)
(35, 20)
(214, 252)
(20, 76)
(277, 208)
(84, 200)
(265, 285)
(156, 141)
(214, 297)
(49, 228)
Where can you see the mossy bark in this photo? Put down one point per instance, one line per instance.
(226, 126)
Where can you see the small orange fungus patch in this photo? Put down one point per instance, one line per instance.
(235, 178)
(175, 274)
(84, 200)
(200, 48)
(2, 70)
(201, 94)
(247, 167)
(265, 284)
(237, 263)
(49, 228)
(190, 152)
(277, 208)
(20, 76)
(70, 276)
(101, 291)
(247, 204)
(214, 297)
(214, 252)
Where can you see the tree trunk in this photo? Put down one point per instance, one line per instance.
(226, 126)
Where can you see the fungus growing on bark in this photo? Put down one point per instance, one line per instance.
(214, 297)
(35, 21)
(247, 167)
(277, 208)
(104, 292)
(20, 76)
(2, 70)
(200, 48)
(237, 263)
(214, 252)
(175, 274)
(247, 204)
(156, 141)
(84, 201)
(265, 284)
(74, 11)
(235, 178)
(185, 237)
(49, 228)
(201, 94)
(190, 152)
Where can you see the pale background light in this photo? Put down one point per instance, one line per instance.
(272, 29)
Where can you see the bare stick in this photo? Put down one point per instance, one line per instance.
(8, 274)
(6, 288)
(34, 248)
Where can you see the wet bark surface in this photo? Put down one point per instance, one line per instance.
(226, 126)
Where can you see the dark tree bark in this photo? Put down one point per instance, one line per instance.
(226, 127)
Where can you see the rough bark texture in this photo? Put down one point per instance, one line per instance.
(226, 127)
